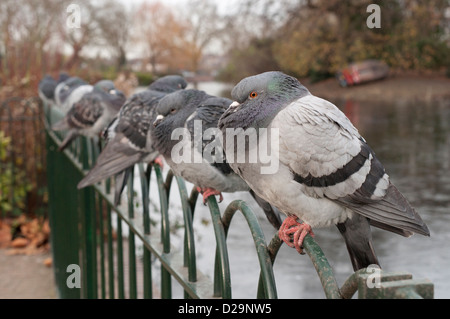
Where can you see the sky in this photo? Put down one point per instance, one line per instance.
(223, 7)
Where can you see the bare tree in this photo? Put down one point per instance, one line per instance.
(204, 25)
(25, 30)
(114, 22)
(158, 31)
(83, 35)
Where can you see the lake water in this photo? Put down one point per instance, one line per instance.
(412, 140)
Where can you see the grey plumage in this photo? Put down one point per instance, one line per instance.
(207, 167)
(128, 135)
(46, 89)
(327, 173)
(90, 115)
(65, 89)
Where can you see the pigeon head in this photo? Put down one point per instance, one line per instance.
(182, 101)
(68, 86)
(63, 76)
(48, 77)
(168, 84)
(72, 83)
(222, 102)
(105, 85)
(257, 99)
(172, 112)
(47, 87)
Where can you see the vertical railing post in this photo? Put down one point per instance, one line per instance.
(166, 281)
(147, 264)
(88, 218)
(64, 222)
(131, 240)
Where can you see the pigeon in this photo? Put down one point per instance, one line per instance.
(128, 135)
(326, 175)
(64, 90)
(46, 89)
(185, 133)
(92, 113)
(47, 86)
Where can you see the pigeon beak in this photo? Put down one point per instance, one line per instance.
(233, 106)
(158, 120)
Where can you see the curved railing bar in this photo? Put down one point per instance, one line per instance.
(264, 258)
(193, 199)
(163, 200)
(320, 262)
(273, 248)
(350, 286)
(189, 243)
(168, 183)
(145, 187)
(323, 268)
(222, 277)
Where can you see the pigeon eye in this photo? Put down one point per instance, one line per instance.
(253, 95)
(173, 111)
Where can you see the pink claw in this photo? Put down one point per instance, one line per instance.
(209, 192)
(291, 226)
(159, 161)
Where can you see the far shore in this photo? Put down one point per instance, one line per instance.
(399, 88)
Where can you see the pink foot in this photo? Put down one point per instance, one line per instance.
(209, 192)
(300, 230)
(159, 161)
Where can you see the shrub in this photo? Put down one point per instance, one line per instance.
(13, 181)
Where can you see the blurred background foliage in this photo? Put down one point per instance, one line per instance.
(316, 38)
(13, 181)
(231, 40)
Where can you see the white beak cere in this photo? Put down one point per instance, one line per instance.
(158, 120)
(235, 104)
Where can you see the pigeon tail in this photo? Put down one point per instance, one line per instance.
(110, 162)
(358, 238)
(121, 180)
(393, 213)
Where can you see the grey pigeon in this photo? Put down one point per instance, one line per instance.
(128, 135)
(181, 110)
(65, 89)
(47, 87)
(92, 113)
(193, 152)
(327, 174)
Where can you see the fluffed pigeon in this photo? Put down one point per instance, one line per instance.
(327, 174)
(194, 152)
(92, 113)
(64, 90)
(47, 87)
(128, 135)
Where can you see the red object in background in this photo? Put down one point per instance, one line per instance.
(362, 72)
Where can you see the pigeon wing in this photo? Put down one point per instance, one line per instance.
(117, 156)
(209, 116)
(85, 112)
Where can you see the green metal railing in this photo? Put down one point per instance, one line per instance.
(83, 235)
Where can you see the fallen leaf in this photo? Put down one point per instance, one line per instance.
(19, 242)
(48, 261)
